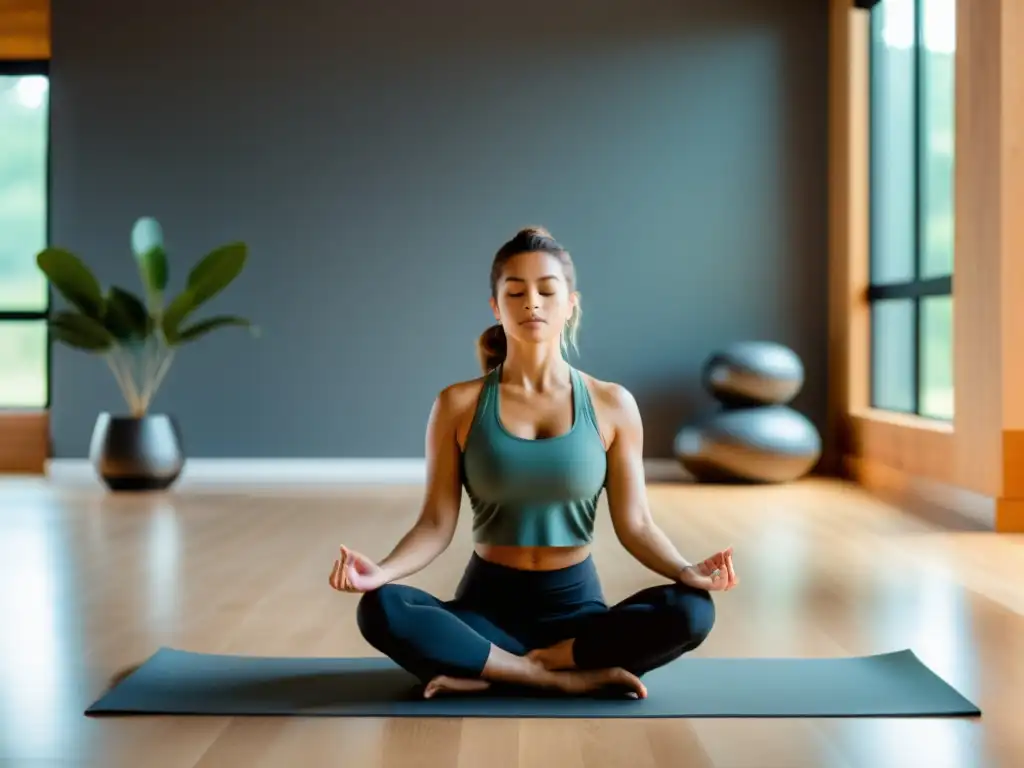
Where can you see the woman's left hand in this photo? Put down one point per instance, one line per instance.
(716, 574)
(356, 573)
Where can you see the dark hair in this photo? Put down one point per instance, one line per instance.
(492, 346)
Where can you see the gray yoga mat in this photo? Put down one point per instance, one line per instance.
(175, 682)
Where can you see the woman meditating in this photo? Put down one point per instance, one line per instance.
(534, 441)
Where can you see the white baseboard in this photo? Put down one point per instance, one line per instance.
(318, 472)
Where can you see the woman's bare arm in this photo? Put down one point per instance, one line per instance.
(434, 528)
(627, 489)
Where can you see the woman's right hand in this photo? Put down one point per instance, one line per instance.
(354, 572)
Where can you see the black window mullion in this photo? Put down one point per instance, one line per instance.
(932, 286)
(24, 67)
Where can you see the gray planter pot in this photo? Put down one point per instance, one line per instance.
(137, 454)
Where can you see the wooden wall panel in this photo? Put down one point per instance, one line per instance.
(836, 438)
(977, 329)
(911, 446)
(24, 29)
(848, 241)
(24, 441)
(1011, 107)
(1011, 83)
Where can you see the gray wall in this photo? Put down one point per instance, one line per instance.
(375, 155)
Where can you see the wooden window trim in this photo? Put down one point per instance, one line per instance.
(24, 30)
(981, 453)
(24, 434)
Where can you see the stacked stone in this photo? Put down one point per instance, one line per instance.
(755, 436)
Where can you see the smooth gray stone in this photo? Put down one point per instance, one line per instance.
(769, 444)
(753, 373)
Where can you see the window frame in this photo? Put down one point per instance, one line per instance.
(918, 288)
(15, 67)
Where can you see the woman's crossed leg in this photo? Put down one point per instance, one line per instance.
(450, 648)
(646, 630)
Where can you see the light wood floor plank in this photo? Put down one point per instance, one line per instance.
(95, 583)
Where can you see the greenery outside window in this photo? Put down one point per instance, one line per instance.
(912, 103)
(24, 225)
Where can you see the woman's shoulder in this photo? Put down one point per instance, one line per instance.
(459, 399)
(611, 394)
(456, 406)
(612, 400)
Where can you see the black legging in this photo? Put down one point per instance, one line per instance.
(520, 611)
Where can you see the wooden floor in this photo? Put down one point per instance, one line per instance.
(93, 584)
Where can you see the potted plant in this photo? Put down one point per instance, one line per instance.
(139, 338)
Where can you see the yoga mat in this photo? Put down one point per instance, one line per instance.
(176, 682)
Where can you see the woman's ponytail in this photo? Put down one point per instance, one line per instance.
(492, 347)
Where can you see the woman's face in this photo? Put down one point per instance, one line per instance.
(533, 298)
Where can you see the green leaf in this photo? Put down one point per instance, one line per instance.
(208, 278)
(175, 314)
(126, 317)
(216, 271)
(203, 327)
(151, 256)
(73, 279)
(154, 270)
(71, 338)
(80, 331)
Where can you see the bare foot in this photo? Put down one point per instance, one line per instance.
(443, 684)
(555, 657)
(579, 682)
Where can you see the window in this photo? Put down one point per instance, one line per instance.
(912, 98)
(24, 293)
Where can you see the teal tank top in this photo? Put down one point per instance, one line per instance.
(533, 493)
